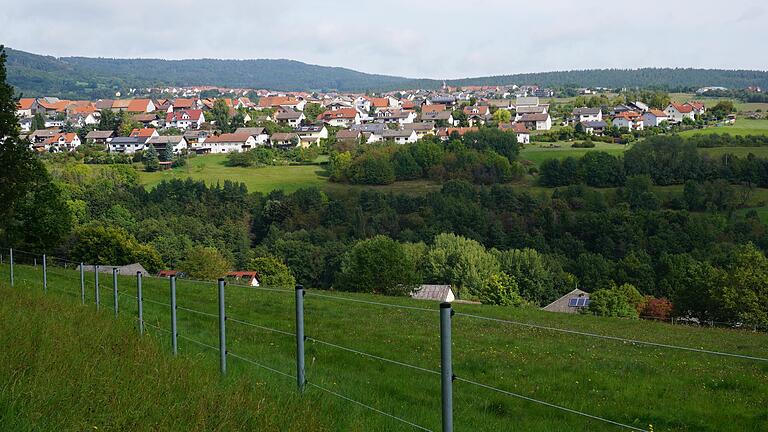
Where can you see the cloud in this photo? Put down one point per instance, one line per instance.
(446, 39)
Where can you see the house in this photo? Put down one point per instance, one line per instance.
(343, 117)
(41, 135)
(698, 108)
(572, 302)
(170, 273)
(445, 117)
(226, 143)
(26, 124)
(290, 117)
(249, 278)
(639, 106)
(382, 102)
(526, 101)
(445, 133)
(676, 112)
(258, 133)
(126, 145)
(195, 137)
(422, 129)
(630, 120)
(24, 107)
(160, 143)
(477, 114)
(439, 293)
(140, 106)
(61, 142)
(594, 127)
(536, 121)
(433, 108)
(285, 139)
(104, 104)
(654, 117)
(100, 137)
(313, 132)
(504, 104)
(448, 101)
(349, 136)
(519, 129)
(278, 101)
(394, 116)
(144, 133)
(183, 104)
(185, 119)
(581, 115)
(372, 132)
(147, 120)
(400, 136)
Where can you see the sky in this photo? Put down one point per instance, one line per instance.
(421, 39)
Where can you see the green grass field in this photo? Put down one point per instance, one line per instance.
(710, 102)
(741, 127)
(637, 385)
(212, 170)
(539, 152)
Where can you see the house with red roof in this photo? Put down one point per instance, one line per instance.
(343, 117)
(278, 101)
(250, 278)
(140, 106)
(445, 133)
(144, 133)
(630, 120)
(676, 112)
(60, 143)
(24, 107)
(519, 129)
(185, 119)
(654, 117)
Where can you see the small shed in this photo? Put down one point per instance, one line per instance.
(249, 277)
(440, 293)
(569, 303)
(129, 269)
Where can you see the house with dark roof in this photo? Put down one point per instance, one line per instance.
(580, 115)
(536, 121)
(160, 143)
(258, 133)
(100, 137)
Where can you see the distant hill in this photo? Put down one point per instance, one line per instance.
(73, 77)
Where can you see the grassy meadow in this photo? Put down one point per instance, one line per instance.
(740, 127)
(539, 152)
(637, 385)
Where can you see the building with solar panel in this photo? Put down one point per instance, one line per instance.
(572, 302)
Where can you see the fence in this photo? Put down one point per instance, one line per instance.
(60, 270)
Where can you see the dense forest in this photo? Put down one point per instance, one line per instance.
(81, 77)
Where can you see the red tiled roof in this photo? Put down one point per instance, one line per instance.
(143, 132)
(194, 115)
(138, 105)
(25, 103)
(433, 108)
(348, 113)
(460, 130)
(379, 102)
(682, 108)
(272, 101)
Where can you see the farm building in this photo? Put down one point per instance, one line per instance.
(572, 302)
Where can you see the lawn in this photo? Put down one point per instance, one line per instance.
(741, 127)
(710, 102)
(212, 170)
(633, 384)
(539, 152)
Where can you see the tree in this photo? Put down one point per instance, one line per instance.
(113, 246)
(150, 159)
(28, 197)
(502, 290)
(272, 272)
(167, 155)
(612, 302)
(205, 263)
(220, 115)
(378, 265)
(502, 116)
(532, 272)
(38, 121)
(744, 297)
(461, 262)
(312, 111)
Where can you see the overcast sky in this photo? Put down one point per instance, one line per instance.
(432, 39)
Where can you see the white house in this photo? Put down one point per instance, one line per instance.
(314, 132)
(258, 133)
(185, 119)
(400, 136)
(227, 143)
(160, 143)
(536, 121)
(62, 142)
(126, 145)
(581, 115)
(626, 120)
(343, 117)
(290, 117)
(654, 117)
(677, 112)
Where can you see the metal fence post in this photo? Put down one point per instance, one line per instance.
(82, 282)
(174, 331)
(446, 368)
(114, 290)
(222, 329)
(96, 285)
(11, 267)
(140, 303)
(300, 377)
(45, 275)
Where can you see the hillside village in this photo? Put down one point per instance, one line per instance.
(301, 119)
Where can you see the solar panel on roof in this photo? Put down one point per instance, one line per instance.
(582, 302)
(573, 302)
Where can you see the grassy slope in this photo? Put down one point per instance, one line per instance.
(64, 369)
(741, 127)
(673, 390)
(539, 152)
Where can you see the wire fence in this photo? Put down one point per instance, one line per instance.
(52, 270)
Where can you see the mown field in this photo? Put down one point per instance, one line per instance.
(636, 385)
(539, 152)
(710, 102)
(741, 127)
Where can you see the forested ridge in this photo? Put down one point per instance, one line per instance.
(81, 77)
